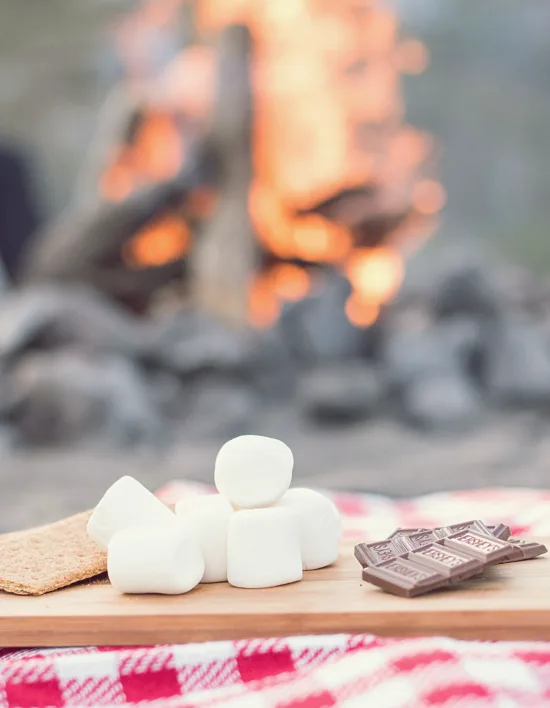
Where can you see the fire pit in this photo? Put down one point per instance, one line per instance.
(238, 261)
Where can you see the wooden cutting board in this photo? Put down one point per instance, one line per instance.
(511, 602)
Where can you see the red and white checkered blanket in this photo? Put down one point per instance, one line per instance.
(310, 672)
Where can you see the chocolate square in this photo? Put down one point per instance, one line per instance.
(377, 552)
(405, 578)
(485, 547)
(419, 539)
(450, 563)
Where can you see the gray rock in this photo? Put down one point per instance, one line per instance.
(441, 402)
(517, 363)
(340, 392)
(448, 346)
(463, 338)
(67, 396)
(471, 292)
(190, 343)
(410, 354)
(55, 315)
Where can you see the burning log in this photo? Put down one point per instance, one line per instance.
(225, 259)
(311, 160)
(85, 246)
(130, 243)
(87, 243)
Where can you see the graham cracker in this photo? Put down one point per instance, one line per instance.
(49, 557)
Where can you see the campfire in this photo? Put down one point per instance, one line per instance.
(234, 258)
(337, 177)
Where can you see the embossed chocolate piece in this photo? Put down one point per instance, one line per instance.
(485, 547)
(419, 539)
(452, 564)
(402, 577)
(379, 551)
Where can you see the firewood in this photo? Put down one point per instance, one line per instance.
(85, 244)
(224, 259)
(117, 119)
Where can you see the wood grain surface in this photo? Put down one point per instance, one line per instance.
(512, 601)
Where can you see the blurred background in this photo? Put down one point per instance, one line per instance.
(321, 220)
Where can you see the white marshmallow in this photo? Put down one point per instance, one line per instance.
(126, 503)
(319, 524)
(263, 548)
(208, 518)
(253, 471)
(154, 559)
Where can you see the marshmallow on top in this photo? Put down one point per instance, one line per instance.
(253, 471)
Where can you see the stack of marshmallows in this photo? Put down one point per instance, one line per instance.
(256, 533)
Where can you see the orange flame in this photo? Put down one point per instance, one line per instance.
(163, 241)
(270, 289)
(377, 273)
(158, 150)
(118, 181)
(155, 155)
(290, 282)
(328, 117)
(360, 313)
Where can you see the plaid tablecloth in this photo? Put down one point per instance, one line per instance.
(309, 672)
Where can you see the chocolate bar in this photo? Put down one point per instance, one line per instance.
(433, 565)
(413, 562)
(403, 540)
(376, 552)
(411, 539)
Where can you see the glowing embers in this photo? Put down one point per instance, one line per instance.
(268, 291)
(163, 241)
(376, 275)
(309, 238)
(361, 313)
